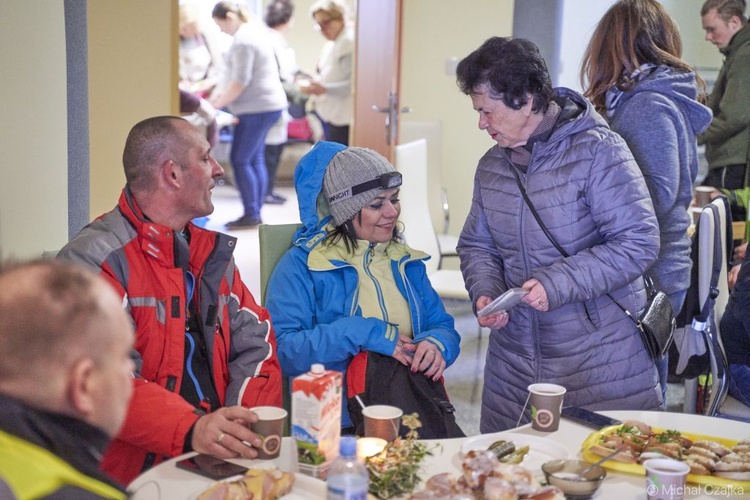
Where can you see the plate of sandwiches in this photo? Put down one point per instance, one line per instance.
(713, 461)
(264, 484)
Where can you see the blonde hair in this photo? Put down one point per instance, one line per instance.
(336, 9)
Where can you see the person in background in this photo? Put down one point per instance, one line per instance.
(735, 334)
(590, 195)
(65, 379)
(279, 17)
(253, 93)
(333, 101)
(727, 139)
(350, 292)
(205, 351)
(633, 75)
(200, 54)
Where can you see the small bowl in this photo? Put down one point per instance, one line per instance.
(565, 474)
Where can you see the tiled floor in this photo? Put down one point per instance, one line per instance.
(463, 379)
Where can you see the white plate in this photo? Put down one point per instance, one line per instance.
(541, 450)
(192, 485)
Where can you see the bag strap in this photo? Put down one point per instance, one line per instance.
(649, 285)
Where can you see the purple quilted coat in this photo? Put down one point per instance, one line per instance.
(591, 195)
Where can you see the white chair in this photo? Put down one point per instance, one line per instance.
(709, 219)
(431, 131)
(419, 232)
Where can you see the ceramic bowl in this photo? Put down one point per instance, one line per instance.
(565, 474)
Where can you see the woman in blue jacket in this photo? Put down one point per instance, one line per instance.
(649, 96)
(349, 291)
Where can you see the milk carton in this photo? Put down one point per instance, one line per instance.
(316, 419)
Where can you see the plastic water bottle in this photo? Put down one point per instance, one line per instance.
(348, 477)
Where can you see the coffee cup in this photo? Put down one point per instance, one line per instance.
(382, 421)
(665, 478)
(546, 402)
(703, 195)
(269, 428)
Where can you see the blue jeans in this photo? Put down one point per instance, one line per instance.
(249, 160)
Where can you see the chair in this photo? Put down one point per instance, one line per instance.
(274, 240)
(431, 131)
(709, 219)
(419, 232)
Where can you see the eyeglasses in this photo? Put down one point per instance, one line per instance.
(388, 180)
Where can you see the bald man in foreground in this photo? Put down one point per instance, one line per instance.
(65, 380)
(205, 351)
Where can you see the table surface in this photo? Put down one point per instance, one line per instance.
(165, 481)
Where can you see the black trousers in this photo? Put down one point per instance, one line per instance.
(729, 177)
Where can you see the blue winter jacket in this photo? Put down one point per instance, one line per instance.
(659, 118)
(313, 300)
(590, 194)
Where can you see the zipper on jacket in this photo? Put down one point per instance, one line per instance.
(189, 367)
(366, 261)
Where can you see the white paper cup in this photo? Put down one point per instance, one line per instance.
(665, 478)
(382, 421)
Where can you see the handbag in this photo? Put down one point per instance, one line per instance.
(388, 382)
(657, 322)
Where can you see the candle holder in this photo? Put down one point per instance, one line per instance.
(369, 446)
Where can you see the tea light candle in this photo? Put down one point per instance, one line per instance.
(369, 446)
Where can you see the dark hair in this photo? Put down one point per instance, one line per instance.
(150, 143)
(512, 67)
(278, 12)
(221, 10)
(631, 33)
(726, 9)
(348, 234)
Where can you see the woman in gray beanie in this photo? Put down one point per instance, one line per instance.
(351, 295)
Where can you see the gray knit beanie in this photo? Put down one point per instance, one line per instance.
(358, 168)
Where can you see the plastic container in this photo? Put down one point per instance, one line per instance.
(348, 478)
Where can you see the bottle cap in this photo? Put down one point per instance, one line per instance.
(348, 446)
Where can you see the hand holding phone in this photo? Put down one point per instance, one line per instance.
(211, 467)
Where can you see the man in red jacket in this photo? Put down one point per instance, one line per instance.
(205, 351)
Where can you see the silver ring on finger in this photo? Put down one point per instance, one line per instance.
(218, 439)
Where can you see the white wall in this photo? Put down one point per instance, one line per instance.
(578, 21)
(581, 16)
(433, 32)
(33, 134)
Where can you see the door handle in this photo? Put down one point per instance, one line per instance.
(391, 117)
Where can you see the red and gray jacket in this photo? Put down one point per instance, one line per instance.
(138, 258)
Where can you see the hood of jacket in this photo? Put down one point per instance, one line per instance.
(576, 115)
(308, 181)
(681, 88)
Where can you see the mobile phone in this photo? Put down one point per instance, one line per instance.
(588, 418)
(503, 302)
(211, 467)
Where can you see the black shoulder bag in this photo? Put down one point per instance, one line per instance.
(657, 323)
